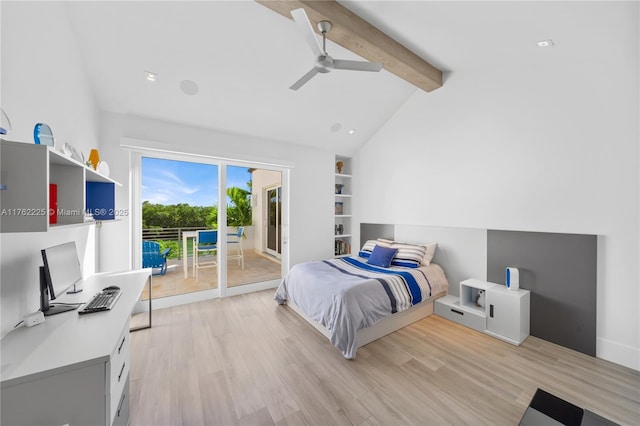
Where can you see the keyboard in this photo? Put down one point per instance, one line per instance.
(102, 301)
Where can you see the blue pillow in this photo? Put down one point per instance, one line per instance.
(381, 256)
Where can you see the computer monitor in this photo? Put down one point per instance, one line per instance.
(61, 271)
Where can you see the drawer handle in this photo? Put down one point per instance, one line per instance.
(121, 344)
(491, 311)
(121, 403)
(457, 312)
(121, 371)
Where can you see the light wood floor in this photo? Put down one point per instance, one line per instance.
(245, 360)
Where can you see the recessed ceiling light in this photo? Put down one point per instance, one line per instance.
(351, 131)
(189, 87)
(545, 43)
(151, 76)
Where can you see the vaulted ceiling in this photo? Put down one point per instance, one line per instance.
(228, 65)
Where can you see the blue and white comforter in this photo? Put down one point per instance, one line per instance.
(346, 295)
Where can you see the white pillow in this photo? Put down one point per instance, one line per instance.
(428, 256)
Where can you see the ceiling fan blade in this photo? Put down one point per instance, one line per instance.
(298, 84)
(304, 25)
(341, 64)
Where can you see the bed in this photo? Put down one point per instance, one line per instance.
(352, 302)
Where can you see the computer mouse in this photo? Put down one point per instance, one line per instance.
(112, 287)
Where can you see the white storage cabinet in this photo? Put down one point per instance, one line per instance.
(503, 313)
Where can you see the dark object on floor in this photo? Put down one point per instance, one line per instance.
(547, 409)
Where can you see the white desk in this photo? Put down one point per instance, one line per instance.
(73, 369)
(185, 236)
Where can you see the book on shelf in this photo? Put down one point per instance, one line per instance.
(339, 207)
(342, 247)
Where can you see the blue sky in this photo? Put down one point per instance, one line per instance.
(173, 182)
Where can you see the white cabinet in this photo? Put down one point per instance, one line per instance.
(28, 172)
(508, 314)
(73, 369)
(490, 308)
(343, 212)
(449, 307)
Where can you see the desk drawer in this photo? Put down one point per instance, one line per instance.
(448, 307)
(119, 371)
(121, 416)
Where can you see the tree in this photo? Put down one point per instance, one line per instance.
(239, 210)
(174, 215)
(183, 215)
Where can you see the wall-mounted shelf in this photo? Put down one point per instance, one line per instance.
(28, 170)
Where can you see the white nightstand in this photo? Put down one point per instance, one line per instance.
(504, 313)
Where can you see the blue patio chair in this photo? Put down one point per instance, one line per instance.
(153, 258)
(206, 241)
(236, 239)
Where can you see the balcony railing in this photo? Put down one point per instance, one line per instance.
(175, 234)
(168, 234)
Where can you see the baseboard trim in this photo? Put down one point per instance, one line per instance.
(619, 353)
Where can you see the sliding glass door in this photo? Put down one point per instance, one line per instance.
(247, 259)
(180, 199)
(274, 221)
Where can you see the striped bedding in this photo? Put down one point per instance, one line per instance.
(347, 294)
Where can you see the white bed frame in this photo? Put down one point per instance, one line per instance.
(383, 327)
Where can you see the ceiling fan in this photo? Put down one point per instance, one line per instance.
(324, 62)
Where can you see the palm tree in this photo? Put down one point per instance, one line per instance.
(239, 211)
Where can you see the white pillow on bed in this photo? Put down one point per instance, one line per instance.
(428, 256)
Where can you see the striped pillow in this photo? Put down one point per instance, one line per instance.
(367, 247)
(409, 255)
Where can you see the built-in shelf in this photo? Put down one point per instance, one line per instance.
(343, 205)
(36, 176)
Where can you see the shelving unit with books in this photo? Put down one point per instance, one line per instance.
(343, 212)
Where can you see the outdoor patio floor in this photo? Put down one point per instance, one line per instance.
(257, 268)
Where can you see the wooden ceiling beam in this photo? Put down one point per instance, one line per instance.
(357, 35)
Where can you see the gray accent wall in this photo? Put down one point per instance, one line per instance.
(560, 272)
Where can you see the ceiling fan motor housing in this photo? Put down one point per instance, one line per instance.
(324, 64)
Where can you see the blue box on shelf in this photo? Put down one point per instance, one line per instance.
(100, 200)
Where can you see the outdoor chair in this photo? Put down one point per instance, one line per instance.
(206, 242)
(153, 258)
(236, 239)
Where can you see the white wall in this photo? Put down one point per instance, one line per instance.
(311, 178)
(550, 149)
(43, 80)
